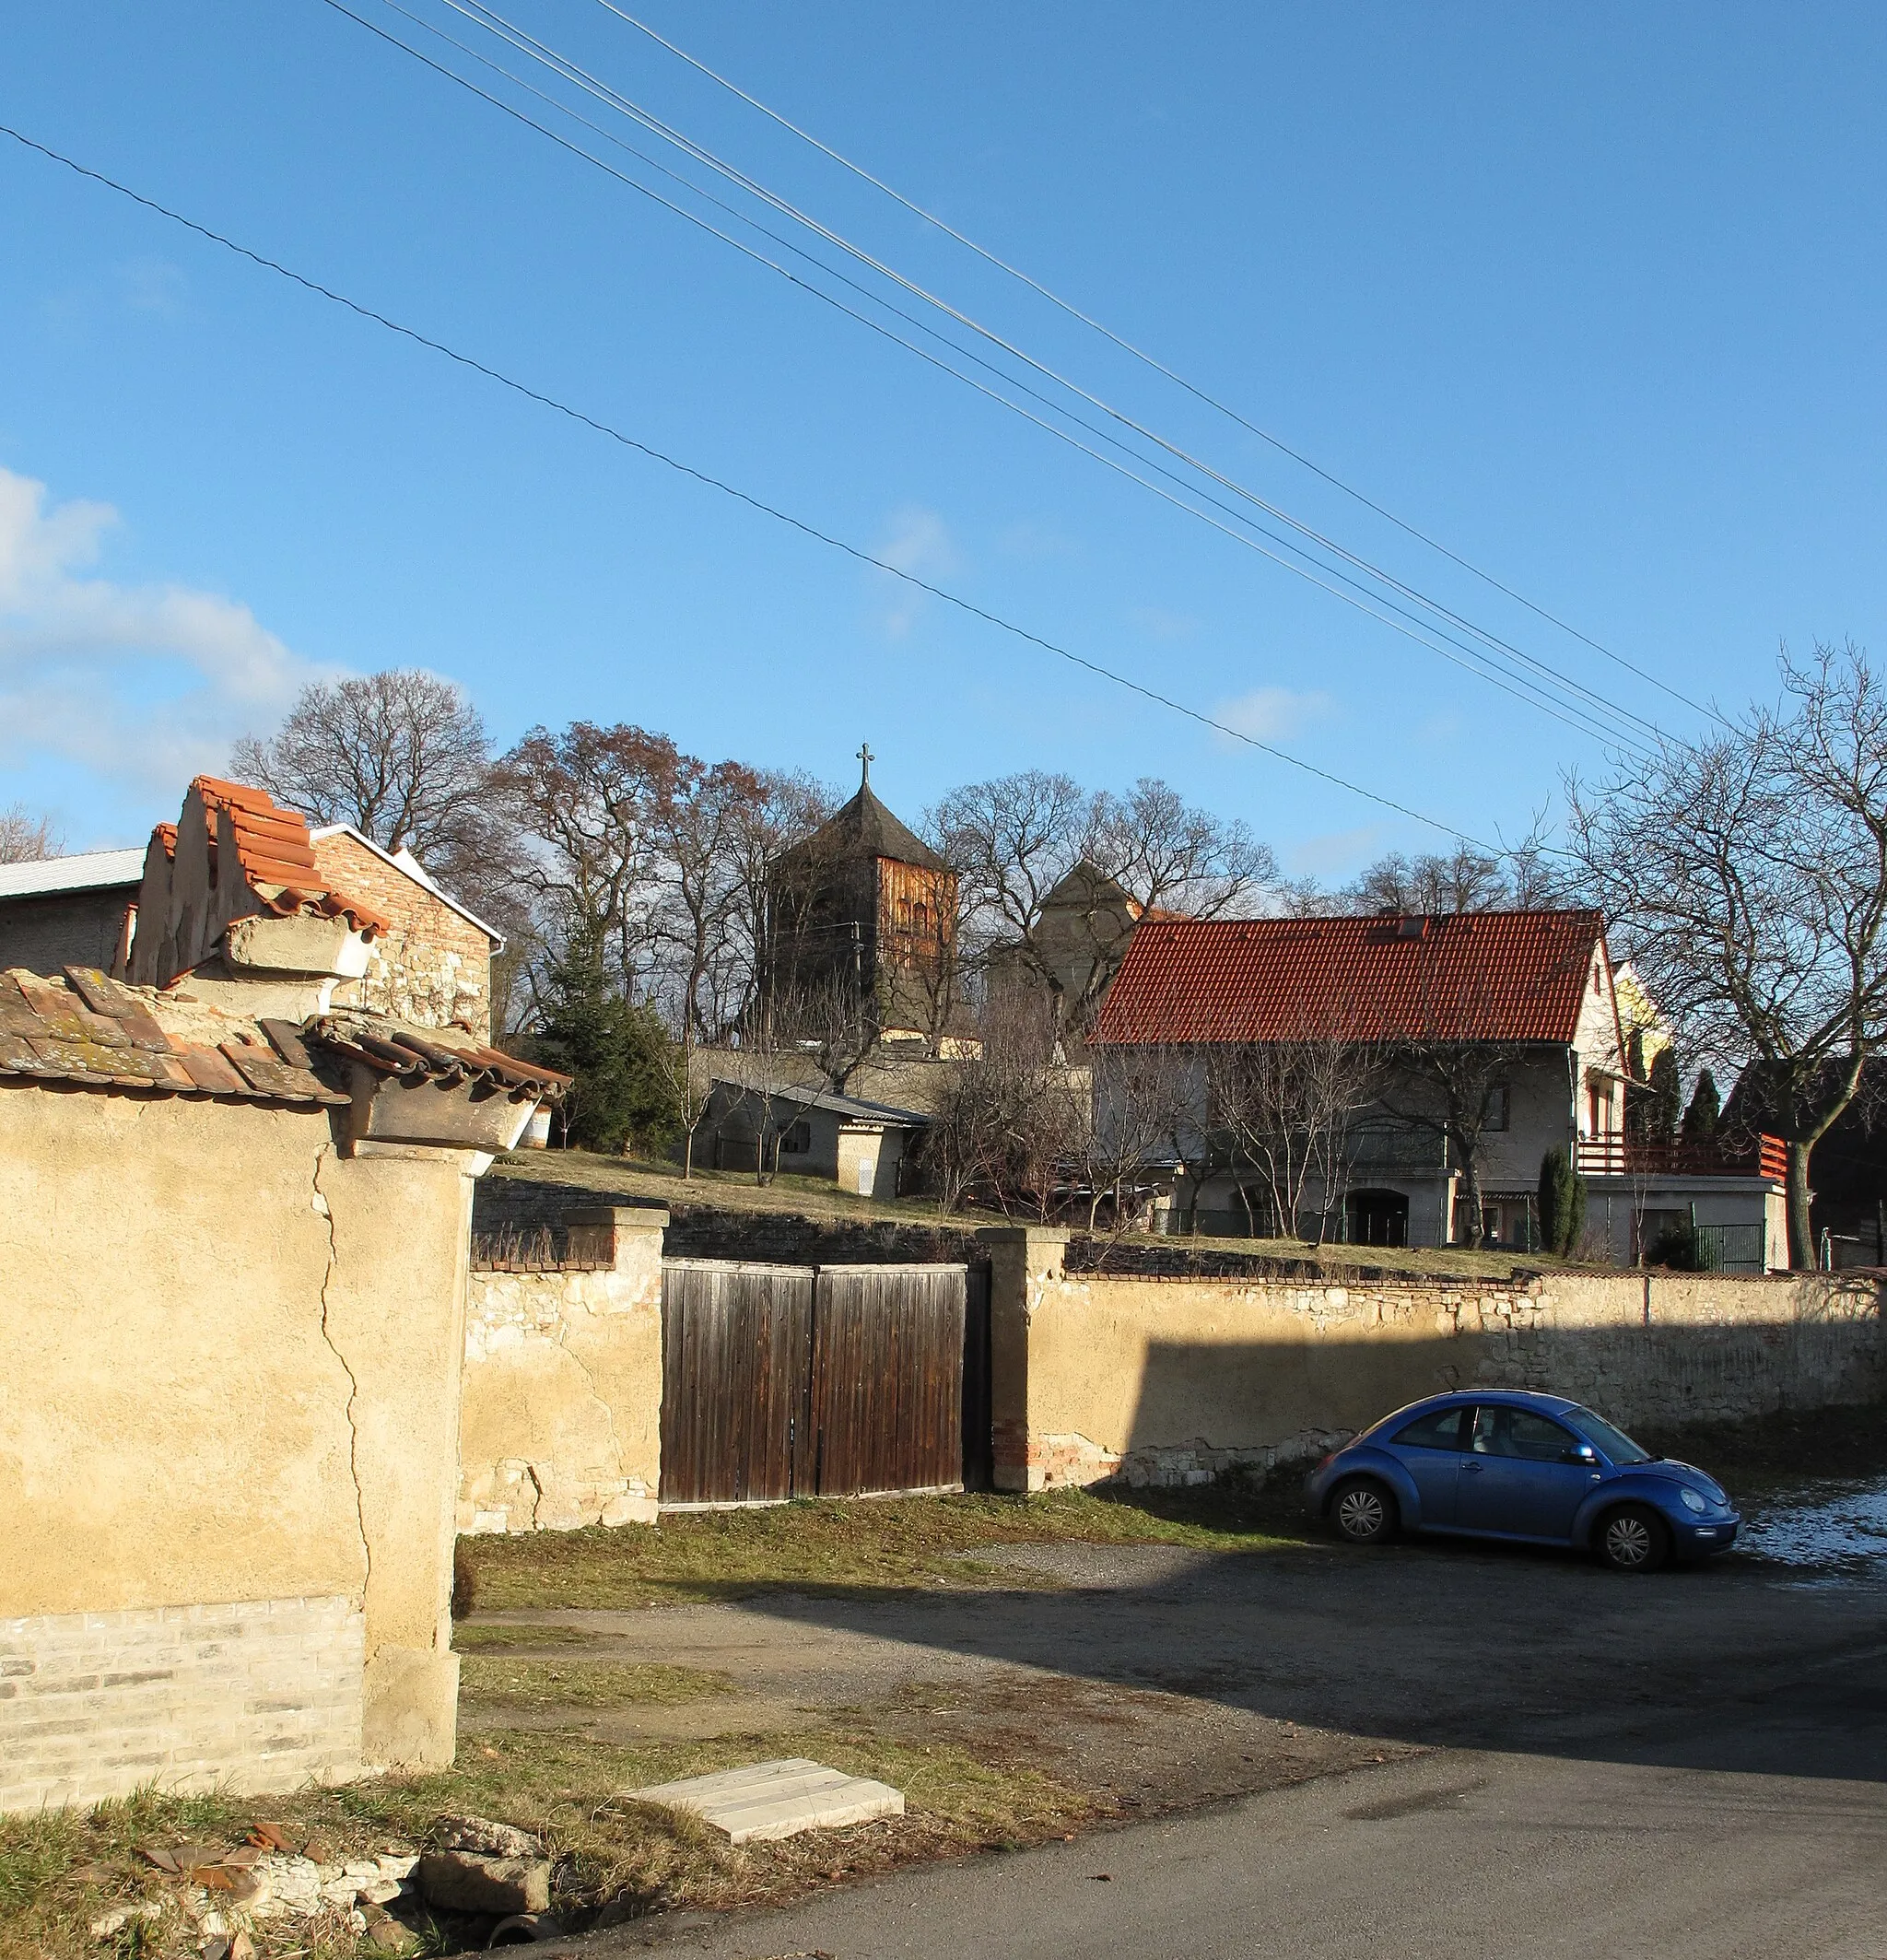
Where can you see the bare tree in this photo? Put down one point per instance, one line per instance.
(1013, 839)
(1458, 1091)
(1745, 874)
(1170, 855)
(24, 837)
(585, 800)
(1288, 1108)
(401, 755)
(1126, 1119)
(1010, 1128)
(1464, 881)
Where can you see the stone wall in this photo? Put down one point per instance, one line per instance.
(433, 968)
(561, 1424)
(510, 1212)
(1176, 1381)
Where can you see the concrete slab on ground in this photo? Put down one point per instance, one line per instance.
(778, 1799)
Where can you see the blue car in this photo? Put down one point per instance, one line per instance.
(1535, 1469)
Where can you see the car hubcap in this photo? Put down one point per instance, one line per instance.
(1628, 1542)
(1360, 1514)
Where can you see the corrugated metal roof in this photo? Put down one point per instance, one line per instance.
(848, 1107)
(1457, 977)
(84, 871)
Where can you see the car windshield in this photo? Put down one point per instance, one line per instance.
(1601, 1434)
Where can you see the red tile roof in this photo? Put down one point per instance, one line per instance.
(1459, 977)
(90, 1031)
(94, 1032)
(275, 854)
(442, 1055)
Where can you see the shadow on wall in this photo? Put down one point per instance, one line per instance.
(1157, 1411)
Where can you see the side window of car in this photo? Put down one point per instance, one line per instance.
(1440, 1429)
(1501, 1431)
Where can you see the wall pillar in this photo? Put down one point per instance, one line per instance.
(1025, 1261)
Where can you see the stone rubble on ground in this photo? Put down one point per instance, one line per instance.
(485, 1867)
(222, 1894)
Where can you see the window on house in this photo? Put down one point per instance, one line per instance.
(1599, 1096)
(796, 1141)
(1499, 1106)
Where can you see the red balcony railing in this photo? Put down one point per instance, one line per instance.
(1747, 1156)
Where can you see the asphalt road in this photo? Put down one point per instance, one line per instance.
(1696, 1766)
(1778, 1850)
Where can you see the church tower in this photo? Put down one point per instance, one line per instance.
(862, 916)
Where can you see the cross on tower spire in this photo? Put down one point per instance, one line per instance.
(867, 758)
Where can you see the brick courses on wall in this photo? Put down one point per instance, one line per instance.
(264, 1696)
(433, 968)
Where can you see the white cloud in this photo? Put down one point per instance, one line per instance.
(142, 684)
(153, 286)
(1336, 851)
(1160, 623)
(1269, 714)
(920, 545)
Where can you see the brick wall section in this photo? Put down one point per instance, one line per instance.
(434, 968)
(264, 1696)
(78, 928)
(508, 1212)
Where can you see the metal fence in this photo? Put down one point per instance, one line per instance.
(1731, 1248)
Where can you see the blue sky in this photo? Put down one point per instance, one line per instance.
(1593, 295)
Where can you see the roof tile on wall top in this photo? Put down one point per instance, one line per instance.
(93, 1032)
(1466, 976)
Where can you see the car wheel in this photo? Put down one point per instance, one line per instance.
(1633, 1538)
(1363, 1511)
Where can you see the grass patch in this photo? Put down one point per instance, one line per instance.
(818, 1199)
(61, 1868)
(584, 1684)
(537, 1637)
(875, 1542)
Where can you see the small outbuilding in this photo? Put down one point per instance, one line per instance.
(863, 1147)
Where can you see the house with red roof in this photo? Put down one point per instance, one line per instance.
(1471, 1043)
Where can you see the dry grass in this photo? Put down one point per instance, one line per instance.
(60, 1869)
(585, 1684)
(820, 1200)
(823, 1543)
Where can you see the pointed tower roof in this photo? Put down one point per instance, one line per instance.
(865, 828)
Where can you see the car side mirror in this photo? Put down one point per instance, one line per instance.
(1581, 1453)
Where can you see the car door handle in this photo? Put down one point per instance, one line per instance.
(1473, 1469)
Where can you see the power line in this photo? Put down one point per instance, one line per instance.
(525, 42)
(1524, 687)
(727, 489)
(1153, 361)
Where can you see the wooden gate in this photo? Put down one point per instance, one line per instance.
(784, 1381)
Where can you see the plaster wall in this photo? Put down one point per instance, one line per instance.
(228, 1377)
(1162, 1381)
(562, 1412)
